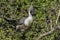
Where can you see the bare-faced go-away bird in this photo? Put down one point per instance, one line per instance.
(25, 23)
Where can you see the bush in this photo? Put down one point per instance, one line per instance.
(15, 9)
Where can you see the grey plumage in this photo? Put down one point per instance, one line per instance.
(21, 21)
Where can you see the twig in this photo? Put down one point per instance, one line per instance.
(58, 17)
(49, 32)
(51, 21)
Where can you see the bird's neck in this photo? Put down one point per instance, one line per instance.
(29, 13)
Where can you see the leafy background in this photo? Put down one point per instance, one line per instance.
(15, 9)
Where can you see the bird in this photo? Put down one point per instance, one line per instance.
(29, 19)
(25, 22)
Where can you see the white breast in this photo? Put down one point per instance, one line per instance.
(28, 21)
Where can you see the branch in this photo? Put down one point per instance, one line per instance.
(52, 30)
(9, 20)
(47, 33)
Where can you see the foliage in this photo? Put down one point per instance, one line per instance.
(16, 9)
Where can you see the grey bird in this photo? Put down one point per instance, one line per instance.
(25, 22)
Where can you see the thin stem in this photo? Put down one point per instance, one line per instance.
(58, 17)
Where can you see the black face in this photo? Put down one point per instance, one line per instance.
(31, 9)
(32, 12)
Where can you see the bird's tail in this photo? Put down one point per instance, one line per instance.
(17, 27)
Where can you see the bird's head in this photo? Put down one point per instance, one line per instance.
(31, 9)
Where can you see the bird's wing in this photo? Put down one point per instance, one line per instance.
(21, 21)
